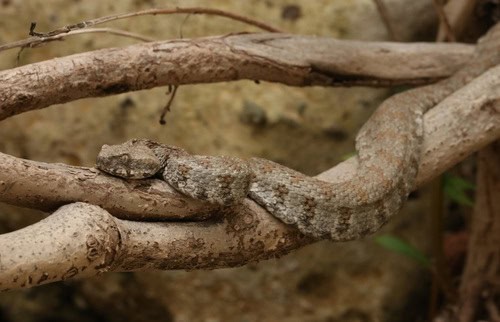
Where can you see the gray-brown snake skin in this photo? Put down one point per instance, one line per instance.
(388, 150)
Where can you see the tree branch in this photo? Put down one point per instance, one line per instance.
(90, 242)
(461, 124)
(38, 185)
(288, 59)
(82, 240)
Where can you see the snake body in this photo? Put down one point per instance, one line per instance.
(388, 150)
(221, 180)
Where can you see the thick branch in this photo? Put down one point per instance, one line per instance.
(461, 124)
(90, 242)
(93, 242)
(38, 185)
(288, 59)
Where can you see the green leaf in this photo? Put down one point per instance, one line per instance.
(347, 156)
(456, 189)
(400, 246)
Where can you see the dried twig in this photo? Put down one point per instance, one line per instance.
(157, 11)
(171, 91)
(440, 279)
(182, 25)
(58, 34)
(37, 41)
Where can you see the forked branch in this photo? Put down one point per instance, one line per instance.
(82, 240)
(94, 241)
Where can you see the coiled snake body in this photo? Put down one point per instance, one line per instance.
(388, 151)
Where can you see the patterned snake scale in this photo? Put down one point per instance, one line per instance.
(388, 150)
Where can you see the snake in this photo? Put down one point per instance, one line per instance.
(388, 148)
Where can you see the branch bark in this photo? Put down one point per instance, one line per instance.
(89, 241)
(38, 185)
(460, 125)
(82, 240)
(288, 59)
(242, 234)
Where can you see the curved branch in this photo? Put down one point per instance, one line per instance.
(38, 185)
(90, 241)
(288, 59)
(93, 242)
(460, 125)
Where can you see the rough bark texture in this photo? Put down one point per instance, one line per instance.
(246, 233)
(309, 129)
(38, 185)
(89, 241)
(269, 57)
(388, 150)
(461, 124)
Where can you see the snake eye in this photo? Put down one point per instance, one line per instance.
(125, 158)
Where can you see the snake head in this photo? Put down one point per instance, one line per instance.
(129, 160)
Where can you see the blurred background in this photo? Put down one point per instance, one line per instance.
(308, 129)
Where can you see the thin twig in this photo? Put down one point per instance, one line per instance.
(156, 11)
(171, 91)
(114, 31)
(384, 14)
(182, 25)
(450, 36)
(37, 41)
